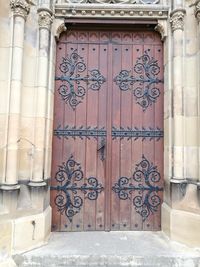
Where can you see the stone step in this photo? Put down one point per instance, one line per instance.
(110, 249)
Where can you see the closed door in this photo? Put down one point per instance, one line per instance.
(107, 163)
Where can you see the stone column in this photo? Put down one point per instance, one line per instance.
(44, 21)
(181, 213)
(177, 25)
(197, 14)
(20, 10)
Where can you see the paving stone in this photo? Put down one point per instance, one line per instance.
(110, 249)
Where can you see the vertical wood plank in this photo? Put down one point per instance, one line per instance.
(92, 121)
(109, 142)
(159, 146)
(116, 107)
(125, 144)
(57, 144)
(149, 121)
(102, 114)
(80, 121)
(137, 123)
(68, 143)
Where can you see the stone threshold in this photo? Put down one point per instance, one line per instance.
(110, 249)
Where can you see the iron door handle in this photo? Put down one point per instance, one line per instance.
(101, 148)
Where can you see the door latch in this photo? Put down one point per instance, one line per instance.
(101, 148)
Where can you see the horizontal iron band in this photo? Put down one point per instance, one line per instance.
(126, 79)
(75, 188)
(142, 188)
(115, 133)
(69, 79)
(79, 133)
(137, 133)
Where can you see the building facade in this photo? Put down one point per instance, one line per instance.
(30, 35)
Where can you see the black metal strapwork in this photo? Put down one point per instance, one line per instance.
(79, 132)
(136, 133)
(146, 69)
(68, 199)
(72, 90)
(145, 178)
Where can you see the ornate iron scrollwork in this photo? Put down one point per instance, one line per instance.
(144, 179)
(67, 200)
(71, 67)
(136, 133)
(145, 93)
(80, 132)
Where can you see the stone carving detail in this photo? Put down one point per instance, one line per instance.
(161, 27)
(60, 29)
(111, 9)
(197, 10)
(45, 18)
(111, 1)
(20, 8)
(177, 19)
(149, 1)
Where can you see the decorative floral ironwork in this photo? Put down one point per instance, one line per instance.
(67, 200)
(144, 179)
(136, 133)
(72, 90)
(80, 132)
(145, 93)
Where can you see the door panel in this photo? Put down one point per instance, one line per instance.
(139, 134)
(107, 165)
(78, 176)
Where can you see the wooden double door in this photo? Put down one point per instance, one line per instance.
(107, 163)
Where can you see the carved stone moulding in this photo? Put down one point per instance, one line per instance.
(197, 10)
(177, 19)
(60, 29)
(102, 1)
(9, 187)
(20, 8)
(182, 184)
(111, 11)
(45, 18)
(112, 1)
(161, 27)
